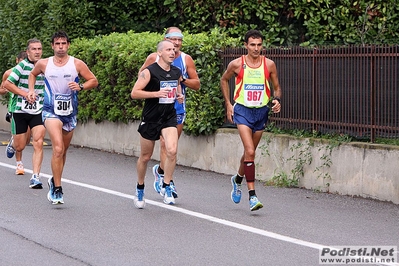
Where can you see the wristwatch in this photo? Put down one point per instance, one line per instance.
(81, 87)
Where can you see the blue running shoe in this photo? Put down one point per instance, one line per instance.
(158, 179)
(50, 183)
(173, 188)
(54, 196)
(35, 182)
(236, 192)
(254, 203)
(10, 151)
(58, 196)
(168, 197)
(139, 200)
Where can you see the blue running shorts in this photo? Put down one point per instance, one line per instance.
(254, 118)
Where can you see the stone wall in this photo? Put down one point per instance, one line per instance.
(357, 169)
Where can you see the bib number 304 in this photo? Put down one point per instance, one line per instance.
(63, 104)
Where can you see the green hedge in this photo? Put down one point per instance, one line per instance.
(286, 22)
(115, 60)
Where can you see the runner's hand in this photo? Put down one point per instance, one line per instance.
(180, 98)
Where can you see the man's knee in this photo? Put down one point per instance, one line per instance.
(58, 150)
(19, 142)
(171, 151)
(145, 157)
(37, 143)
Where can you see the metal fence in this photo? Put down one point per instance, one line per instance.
(349, 90)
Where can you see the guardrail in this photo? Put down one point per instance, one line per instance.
(349, 90)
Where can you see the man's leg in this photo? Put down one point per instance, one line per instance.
(168, 190)
(250, 142)
(54, 129)
(61, 140)
(18, 158)
(158, 169)
(147, 148)
(66, 139)
(162, 153)
(20, 170)
(171, 138)
(18, 155)
(38, 133)
(19, 129)
(247, 163)
(19, 143)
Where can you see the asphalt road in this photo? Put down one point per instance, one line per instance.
(99, 225)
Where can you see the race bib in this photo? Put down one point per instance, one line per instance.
(171, 86)
(28, 107)
(254, 94)
(63, 104)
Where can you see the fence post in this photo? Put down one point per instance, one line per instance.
(315, 93)
(373, 105)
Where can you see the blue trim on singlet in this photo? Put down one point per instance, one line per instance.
(48, 95)
(178, 62)
(48, 103)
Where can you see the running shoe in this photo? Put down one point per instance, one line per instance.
(8, 117)
(173, 188)
(236, 192)
(35, 183)
(20, 169)
(58, 196)
(168, 197)
(158, 179)
(55, 196)
(139, 200)
(254, 203)
(10, 151)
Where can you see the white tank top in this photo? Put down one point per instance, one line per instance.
(58, 97)
(58, 77)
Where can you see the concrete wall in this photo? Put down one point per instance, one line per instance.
(357, 169)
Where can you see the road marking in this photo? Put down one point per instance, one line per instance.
(247, 228)
(5, 143)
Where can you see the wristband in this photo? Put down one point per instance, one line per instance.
(278, 99)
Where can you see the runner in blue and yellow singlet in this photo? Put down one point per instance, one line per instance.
(250, 111)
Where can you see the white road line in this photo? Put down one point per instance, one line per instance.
(196, 214)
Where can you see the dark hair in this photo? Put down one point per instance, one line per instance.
(253, 34)
(22, 55)
(60, 34)
(34, 40)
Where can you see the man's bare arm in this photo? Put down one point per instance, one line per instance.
(192, 81)
(232, 69)
(271, 66)
(84, 71)
(3, 90)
